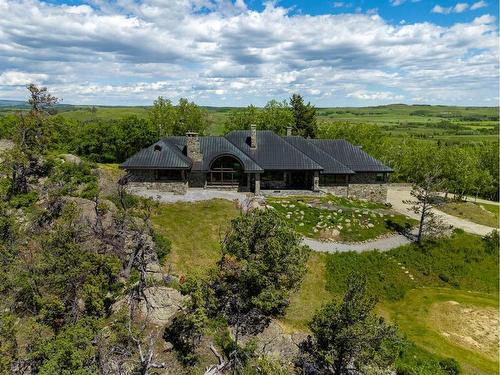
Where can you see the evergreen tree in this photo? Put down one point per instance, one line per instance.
(305, 117)
(348, 338)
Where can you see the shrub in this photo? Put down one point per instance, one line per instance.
(450, 366)
(24, 200)
(162, 246)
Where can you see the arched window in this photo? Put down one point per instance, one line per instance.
(225, 170)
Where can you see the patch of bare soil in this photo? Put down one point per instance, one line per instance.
(474, 328)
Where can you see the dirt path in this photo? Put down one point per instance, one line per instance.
(396, 194)
(382, 244)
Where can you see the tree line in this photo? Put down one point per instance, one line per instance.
(461, 169)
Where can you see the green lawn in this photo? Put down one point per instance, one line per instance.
(480, 213)
(195, 230)
(334, 218)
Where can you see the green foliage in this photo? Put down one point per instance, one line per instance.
(177, 120)
(185, 333)
(72, 351)
(275, 116)
(23, 200)
(348, 334)
(413, 360)
(304, 117)
(492, 242)
(162, 247)
(450, 366)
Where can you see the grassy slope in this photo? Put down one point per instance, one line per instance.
(485, 214)
(418, 316)
(460, 260)
(195, 230)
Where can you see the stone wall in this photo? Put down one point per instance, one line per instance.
(146, 179)
(371, 192)
(176, 187)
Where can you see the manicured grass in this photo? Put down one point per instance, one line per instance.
(480, 213)
(195, 230)
(339, 219)
(451, 323)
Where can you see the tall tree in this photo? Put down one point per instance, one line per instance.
(262, 261)
(348, 338)
(425, 200)
(304, 115)
(31, 135)
(163, 116)
(190, 117)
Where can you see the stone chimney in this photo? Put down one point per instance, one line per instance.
(253, 136)
(193, 147)
(288, 131)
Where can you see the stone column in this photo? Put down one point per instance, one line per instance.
(257, 184)
(253, 136)
(316, 181)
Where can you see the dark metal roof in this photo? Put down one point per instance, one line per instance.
(213, 147)
(160, 155)
(330, 164)
(351, 156)
(272, 151)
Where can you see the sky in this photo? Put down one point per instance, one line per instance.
(241, 52)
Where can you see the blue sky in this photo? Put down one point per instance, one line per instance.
(237, 52)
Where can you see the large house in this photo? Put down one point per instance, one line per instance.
(251, 160)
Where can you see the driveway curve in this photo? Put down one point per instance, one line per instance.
(397, 194)
(382, 244)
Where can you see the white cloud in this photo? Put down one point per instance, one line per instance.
(378, 95)
(131, 51)
(458, 8)
(479, 5)
(16, 78)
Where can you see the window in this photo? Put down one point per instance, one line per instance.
(226, 170)
(169, 175)
(380, 177)
(332, 179)
(273, 176)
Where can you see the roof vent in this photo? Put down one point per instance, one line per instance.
(157, 148)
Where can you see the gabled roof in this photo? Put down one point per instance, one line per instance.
(351, 156)
(160, 155)
(272, 151)
(213, 147)
(330, 164)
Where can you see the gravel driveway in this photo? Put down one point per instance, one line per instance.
(396, 194)
(382, 244)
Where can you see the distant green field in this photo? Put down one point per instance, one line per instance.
(446, 124)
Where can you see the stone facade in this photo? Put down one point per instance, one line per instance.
(176, 187)
(371, 192)
(193, 149)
